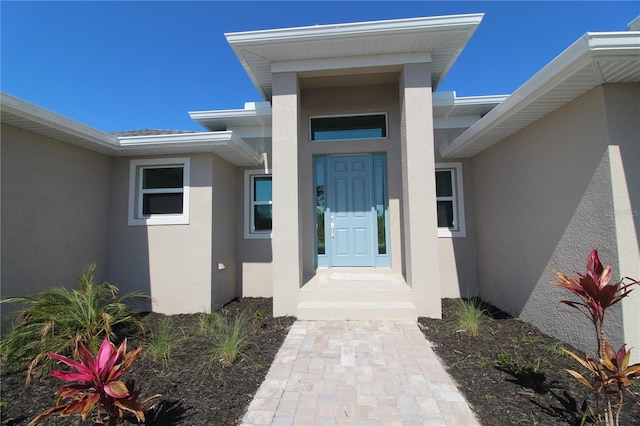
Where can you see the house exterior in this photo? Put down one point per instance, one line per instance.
(353, 190)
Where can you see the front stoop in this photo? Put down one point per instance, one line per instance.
(369, 294)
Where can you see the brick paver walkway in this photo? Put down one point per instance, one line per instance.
(357, 373)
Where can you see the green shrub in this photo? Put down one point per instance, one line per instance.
(229, 338)
(57, 319)
(467, 314)
(164, 338)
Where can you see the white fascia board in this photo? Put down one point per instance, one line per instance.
(36, 114)
(229, 113)
(330, 31)
(481, 100)
(450, 98)
(187, 140)
(350, 62)
(178, 139)
(577, 56)
(614, 43)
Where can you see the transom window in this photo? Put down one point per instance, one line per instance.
(366, 126)
(259, 204)
(159, 191)
(449, 200)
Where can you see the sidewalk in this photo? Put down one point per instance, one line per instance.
(357, 373)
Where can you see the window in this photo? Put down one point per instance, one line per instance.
(258, 204)
(366, 126)
(450, 200)
(159, 191)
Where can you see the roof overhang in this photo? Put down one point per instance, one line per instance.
(593, 60)
(225, 144)
(32, 118)
(438, 40)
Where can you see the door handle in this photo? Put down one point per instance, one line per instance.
(333, 228)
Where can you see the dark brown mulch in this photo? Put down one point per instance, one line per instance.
(513, 374)
(217, 396)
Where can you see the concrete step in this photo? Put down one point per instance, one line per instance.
(356, 294)
(399, 311)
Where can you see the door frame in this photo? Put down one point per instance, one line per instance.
(379, 205)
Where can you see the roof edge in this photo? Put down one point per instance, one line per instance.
(581, 53)
(45, 117)
(353, 28)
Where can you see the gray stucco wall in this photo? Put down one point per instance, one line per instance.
(173, 263)
(55, 212)
(458, 269)
(224, 216)
(543, 199)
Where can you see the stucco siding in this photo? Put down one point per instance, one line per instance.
(224, 217)
(254, 267)
(55, 212)
(172, 263)
(457, 255)
(542, 201)
(622, 103)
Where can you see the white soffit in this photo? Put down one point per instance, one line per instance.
(593, 60)
(253, 114)
(226, 144)
(27, 116)
(441, 37)
(24, 115)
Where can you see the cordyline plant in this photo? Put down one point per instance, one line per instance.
(610, 371)
(97, 386)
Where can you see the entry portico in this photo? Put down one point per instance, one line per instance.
(374, 209)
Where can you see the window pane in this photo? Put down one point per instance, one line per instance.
(382, 238)
(320, 232)
(320, 208)
(262, 188)
(351, 127)
(262, 217)
(165, 177)
(444, 185)
(161, 204)
(445, 214)
(379, 198)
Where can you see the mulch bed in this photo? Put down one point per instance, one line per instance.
(513, 374)
(218, 396)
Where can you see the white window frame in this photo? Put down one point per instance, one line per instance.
(458, 201)
(249, 232)
(136, 167)
(386, 125)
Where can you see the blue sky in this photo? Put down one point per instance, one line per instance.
(132, 65)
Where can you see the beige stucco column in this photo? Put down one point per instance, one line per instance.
(287, 254)
(418, 189)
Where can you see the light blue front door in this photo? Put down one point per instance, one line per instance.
(350, 210)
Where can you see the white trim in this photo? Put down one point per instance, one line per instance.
(350, 62)
(249, 233)
(135, 193)
(458, 201)
(386, 125)
(354, 29)
(583, 54)
(32, 118)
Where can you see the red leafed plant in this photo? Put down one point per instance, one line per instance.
(97, 386)
(610, 371)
